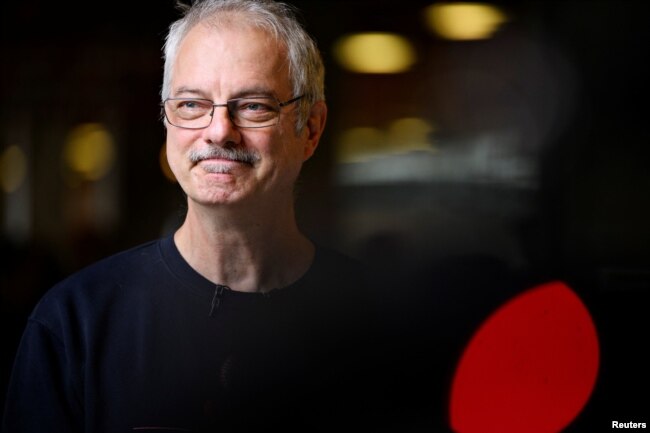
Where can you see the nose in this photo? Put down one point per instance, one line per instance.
(221, 130)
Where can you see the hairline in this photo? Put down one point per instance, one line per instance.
(304, 66)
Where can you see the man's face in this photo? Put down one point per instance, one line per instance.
(222, 64)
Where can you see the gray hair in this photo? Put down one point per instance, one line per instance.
(306, 70)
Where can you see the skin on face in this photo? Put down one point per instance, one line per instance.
(225, 62)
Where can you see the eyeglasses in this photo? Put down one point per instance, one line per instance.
(250, 112)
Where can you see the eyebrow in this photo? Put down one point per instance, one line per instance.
(181, 91)
(251, 91)
(255, 91)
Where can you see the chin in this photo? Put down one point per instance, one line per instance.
(218, 198)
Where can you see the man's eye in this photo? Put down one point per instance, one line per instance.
(190, 105)
(255, 106)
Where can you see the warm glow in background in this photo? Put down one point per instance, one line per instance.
(508, 133)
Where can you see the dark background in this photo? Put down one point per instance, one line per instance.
(539, 170)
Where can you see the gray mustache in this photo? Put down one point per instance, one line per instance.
(239, 155)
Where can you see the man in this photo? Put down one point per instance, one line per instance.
(237, 322)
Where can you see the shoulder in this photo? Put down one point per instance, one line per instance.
(113, 269)
(333, 265)
(96, 286)
(336, 278)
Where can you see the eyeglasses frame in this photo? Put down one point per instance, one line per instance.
(230, 116)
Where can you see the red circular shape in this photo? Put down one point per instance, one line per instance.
(531, 366)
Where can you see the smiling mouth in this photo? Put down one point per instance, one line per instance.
(218, 166)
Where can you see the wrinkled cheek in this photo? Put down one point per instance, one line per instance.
(174, 160)
(286, 177)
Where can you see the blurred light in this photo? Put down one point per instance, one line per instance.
(13, 169)
(89, 151)
(531, 366)
(402, 136)
(375, 53)
(410, 133)
(358, 144)
(464, 21)
(164, 164)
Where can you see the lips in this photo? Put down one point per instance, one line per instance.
(219, 165)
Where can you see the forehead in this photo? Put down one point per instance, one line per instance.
(226, 55)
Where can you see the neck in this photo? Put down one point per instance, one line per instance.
(248, 250)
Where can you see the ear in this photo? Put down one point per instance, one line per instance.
(314, 128)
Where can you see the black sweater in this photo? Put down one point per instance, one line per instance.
(141, 342)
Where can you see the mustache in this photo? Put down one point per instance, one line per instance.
(239, 155)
